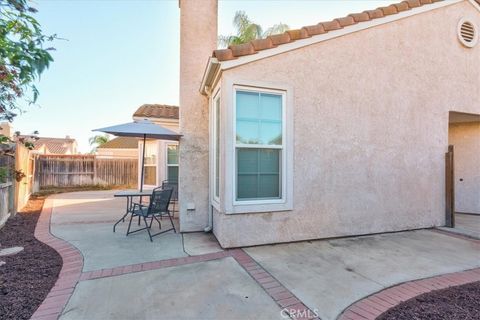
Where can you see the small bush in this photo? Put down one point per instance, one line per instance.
(4, 173)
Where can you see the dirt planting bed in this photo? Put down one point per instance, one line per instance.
(28, 276)
(455, 303)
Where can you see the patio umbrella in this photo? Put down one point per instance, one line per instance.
(142, 129)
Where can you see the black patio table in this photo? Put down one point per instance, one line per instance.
(130, 194)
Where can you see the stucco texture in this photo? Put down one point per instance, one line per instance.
(465, 137)
(370, 128)
(198, 28)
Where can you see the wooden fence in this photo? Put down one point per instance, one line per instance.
(81, 170)
(7, 191)
(24, 163)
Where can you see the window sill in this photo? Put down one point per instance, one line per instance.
(258, 207)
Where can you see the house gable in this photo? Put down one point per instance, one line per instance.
(234, 56)
(370, 128)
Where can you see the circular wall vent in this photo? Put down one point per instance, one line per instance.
(467, 33)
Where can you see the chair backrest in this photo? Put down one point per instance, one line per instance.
(159, 200)
(170, 184)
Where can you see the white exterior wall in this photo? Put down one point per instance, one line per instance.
(370, 129)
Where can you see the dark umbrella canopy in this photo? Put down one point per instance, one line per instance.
(145, 129)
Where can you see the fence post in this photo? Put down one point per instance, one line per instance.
(95, 170)
(449, 188)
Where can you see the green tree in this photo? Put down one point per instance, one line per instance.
(23, 57)
(98, 140)
(248, 30)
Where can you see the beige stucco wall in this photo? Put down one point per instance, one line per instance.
(117, 153)
(465, 137)
(370, 128)
(198, 38)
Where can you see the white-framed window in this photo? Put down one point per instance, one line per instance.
(151, 160)
(216, 147)
(172, 162)
(259, 146)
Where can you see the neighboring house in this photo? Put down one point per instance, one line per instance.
(335, 129)
(161, 156)
(60, 146)
(118, 148)
(6, 129)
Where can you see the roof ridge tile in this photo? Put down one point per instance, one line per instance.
(413, 3)
(280, 38)
(331, 25)
(315, 29)
(345, 21)
(243, 49)
(360, 17)
(389, 10)
(262, 44)
(297, 34)
(402, 6)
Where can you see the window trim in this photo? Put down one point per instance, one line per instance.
(166, 158)
(216, 147)
(262, 205)
(157, 155)
(216, 202)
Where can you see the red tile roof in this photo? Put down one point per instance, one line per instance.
(54, 145)
(162, 111)
(120, 143)
(252, 47)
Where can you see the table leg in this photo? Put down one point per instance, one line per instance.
(129, 209)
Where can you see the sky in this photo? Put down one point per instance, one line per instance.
(119, 54)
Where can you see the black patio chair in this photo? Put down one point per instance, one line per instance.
(172, 184)
(158, 207)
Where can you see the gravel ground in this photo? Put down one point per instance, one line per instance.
(455, 303)
(28, 276)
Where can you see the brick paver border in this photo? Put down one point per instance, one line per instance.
(289, 303)
(371, 307)
(72, 260)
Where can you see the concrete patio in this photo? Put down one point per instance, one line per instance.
(329, 275)
(85, 219)
(468, 224)
(188, 276)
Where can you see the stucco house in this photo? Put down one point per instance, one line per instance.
(161, 156)
(49, 145)
(335, 129)
(118, 148)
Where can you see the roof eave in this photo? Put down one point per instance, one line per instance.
(229, 64)
(209, 76)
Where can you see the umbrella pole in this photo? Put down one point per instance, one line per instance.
(143, 162)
